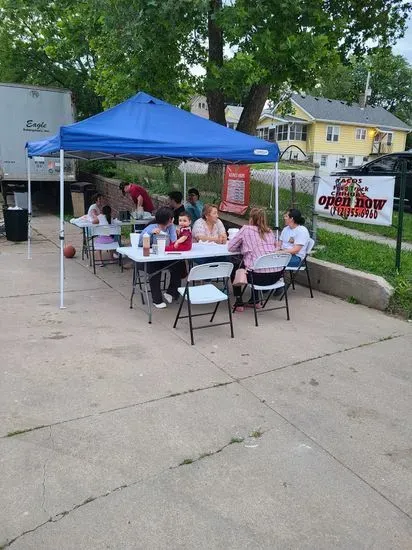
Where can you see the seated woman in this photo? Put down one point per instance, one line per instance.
(294, 237)
(252, 241)
(209, 227)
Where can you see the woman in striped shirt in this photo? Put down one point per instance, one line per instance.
(252, 241)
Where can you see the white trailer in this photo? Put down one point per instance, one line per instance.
(31, 113)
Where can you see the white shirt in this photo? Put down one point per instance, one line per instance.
(93, 207)
(292, 237)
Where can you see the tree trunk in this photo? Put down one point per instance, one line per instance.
(252, 110)
(215, 97)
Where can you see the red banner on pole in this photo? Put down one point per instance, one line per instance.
(236, 190)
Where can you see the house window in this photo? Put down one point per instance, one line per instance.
(297, 131)
(324, 160)
(389, 139)
(282, 132)
(272, 134)
(265, 133)
(332, 133)
(351, 161)
(361, 134)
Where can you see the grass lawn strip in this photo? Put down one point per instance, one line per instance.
(373, 258)
(385, 231)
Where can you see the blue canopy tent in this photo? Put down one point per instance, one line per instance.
(147, 129)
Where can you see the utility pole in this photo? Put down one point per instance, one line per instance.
(368, 91)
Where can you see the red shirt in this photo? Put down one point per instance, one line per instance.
(135, 191)
(187, 245)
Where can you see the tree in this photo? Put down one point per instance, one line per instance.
(288, 42)
(390, 82)
(273, 45)
(48, 43)
(250, 49)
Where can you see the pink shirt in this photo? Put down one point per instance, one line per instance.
(249, 243)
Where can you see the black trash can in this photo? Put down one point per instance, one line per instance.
(16, 224)
(82, 192)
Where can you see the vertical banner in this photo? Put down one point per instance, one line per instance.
(367, 199)
(236, 189)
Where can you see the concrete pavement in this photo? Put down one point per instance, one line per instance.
(116, 434)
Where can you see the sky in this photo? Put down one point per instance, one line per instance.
(404, 46)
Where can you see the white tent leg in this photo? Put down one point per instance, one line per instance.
(277, 199)
(184, 182)
(29, 207)
(61, 233)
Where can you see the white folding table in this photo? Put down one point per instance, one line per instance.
(199, 250)
(84, 225)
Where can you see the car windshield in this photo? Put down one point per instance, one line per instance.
(385, 164)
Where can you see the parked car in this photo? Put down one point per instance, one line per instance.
(387, 165)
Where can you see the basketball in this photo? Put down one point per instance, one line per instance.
(69, 251)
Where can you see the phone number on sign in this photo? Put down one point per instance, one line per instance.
(355, 213)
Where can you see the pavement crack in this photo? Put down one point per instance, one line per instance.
(256, 433)
(329, 453)
(315, 358)
(43, 505)
(24, 431)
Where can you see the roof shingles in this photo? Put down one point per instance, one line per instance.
(321, 108)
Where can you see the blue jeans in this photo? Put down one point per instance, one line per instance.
(294, 261)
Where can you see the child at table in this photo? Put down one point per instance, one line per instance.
(105, 218)
(184, 242)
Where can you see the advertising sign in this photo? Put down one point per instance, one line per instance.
(357, 199)
(236, 190)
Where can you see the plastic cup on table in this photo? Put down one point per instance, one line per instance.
(134, 240)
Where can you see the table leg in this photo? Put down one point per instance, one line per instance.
(146, 290)
(84, 242)
(133, 284)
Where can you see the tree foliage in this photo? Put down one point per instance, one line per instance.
(106, 50)
(48, 43)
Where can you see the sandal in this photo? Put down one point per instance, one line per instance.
(239, 309)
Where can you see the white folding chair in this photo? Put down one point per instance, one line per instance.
(105, 230)
(303, 266)
(269, 261)
(206, 294)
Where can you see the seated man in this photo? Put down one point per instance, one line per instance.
(138, 194)
(194, 206)
(164, 224)
(175, 201)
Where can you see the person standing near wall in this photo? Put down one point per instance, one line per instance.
(138, 195)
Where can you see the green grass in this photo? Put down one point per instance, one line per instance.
(386, 231)
(372, 258)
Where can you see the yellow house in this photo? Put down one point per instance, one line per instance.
(333, 133)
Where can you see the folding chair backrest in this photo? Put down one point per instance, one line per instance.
(311, 244)
(215, 270)
(271, 261)
(106, 230)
